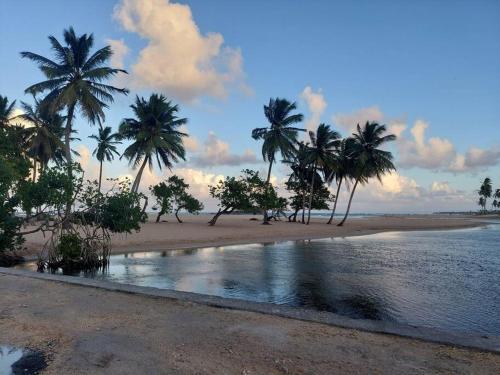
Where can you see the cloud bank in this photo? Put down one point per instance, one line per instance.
(217, 152)
(178, 59)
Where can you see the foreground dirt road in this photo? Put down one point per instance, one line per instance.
(91, 331)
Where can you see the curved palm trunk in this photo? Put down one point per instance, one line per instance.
(266, 219)
(67, 153)
(100, 175)
(311, 195)
(137, 181)
(349, 204)
(336, 200)
(177, 214)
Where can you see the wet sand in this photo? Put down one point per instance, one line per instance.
(239, 229)
(85, 330)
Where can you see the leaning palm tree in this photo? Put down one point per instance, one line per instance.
(6, 111)
(341, 169)
(321, 155)
(154, 134)
(106, 147)
(74, 80)
(368, 160)
(280, 136)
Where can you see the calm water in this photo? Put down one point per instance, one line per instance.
(444, 279)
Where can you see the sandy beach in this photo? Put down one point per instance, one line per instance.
(240, 229)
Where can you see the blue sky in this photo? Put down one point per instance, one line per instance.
(428, 66)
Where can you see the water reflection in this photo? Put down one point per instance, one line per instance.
(443, 279)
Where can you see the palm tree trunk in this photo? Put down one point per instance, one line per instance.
(100, 175)
(336, 200)
(137, 181)
(311, 194)
(266, 219)
(34, 170)
(303, 207)
(177, 214)
(349, 204)
(67, 152)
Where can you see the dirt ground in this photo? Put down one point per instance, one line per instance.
(90, 331)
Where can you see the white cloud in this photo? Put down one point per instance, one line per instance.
(178, 59)
(316, 104)
(217, 152)
(190, 142)
(433, 153)
(120, 50)
(349, 121)
(439, 154)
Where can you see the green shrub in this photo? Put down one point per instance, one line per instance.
(69, 247)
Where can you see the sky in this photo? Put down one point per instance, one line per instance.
(429, 70)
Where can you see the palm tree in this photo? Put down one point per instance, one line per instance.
(106, 147)
(320, 154)
(485, 191)
(280, 135)
(44, 135)
(154, 134)
(75, 81)
(482, 202)
(341, 169)
(368, 160)
(6, 111)
(496, 196)
(301, 175)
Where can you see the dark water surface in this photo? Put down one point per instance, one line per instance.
(442, 279)
(16, 361)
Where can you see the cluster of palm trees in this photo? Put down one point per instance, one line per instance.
(486, 191)
(76, 82)
(325, 155)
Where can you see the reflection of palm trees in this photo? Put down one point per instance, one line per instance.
(320, 281)
(362, 307)
(312, 288)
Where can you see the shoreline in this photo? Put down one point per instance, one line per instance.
(240, 230)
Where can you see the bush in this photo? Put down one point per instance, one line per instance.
(69, 247)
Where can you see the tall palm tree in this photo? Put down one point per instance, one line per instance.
(154, 134)
(369, 161)
(321, 154)
(6, 111)
(341, 169)
(74, 80)
(44, 135)
(106, 147)
(485, 191)
(280, 136)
